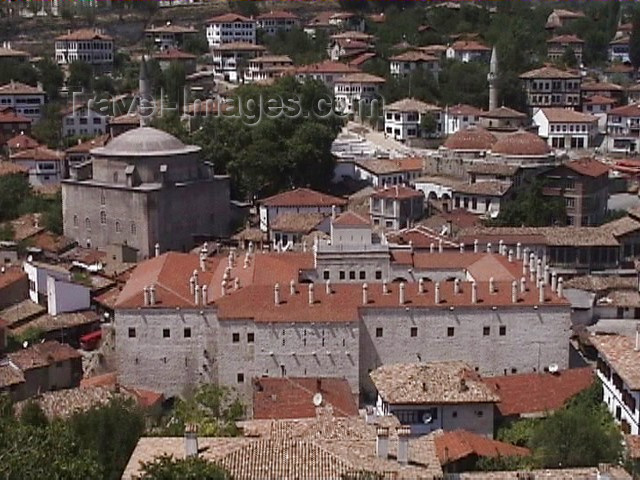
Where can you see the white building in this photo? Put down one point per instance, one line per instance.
(357, 90)
(618, 369)
(277, 21)
(468, 51)
(552, 87)
(26, 100)
(230, 28)
(380, 172)
(231, 59)
(599, 106)
(169, 36)
(403, 64)
(327, 72)
(44, 165)
(84, 122)
(52, 286)
(403, 119)
(459, 117)
(619, 50)
(267, 67)
(435, 396)
(396, 207)
(565, 128)
(623, 129)
(87, 45)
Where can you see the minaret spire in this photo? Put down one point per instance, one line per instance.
(493, 80)
(145, 108)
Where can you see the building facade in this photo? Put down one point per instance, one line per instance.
(277, 21)
(168, 37)
(231, 59)
(405, 120)
(230, 28)
(396, 207)
(565, 128)
(84, 122)
(551, 87)
(357, 91)
(25, 100)
(90, 46)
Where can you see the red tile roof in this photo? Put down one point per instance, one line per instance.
(17, 88)
(302, 197)
(601, 87)
(462, 109)
(85, 34)
(599, 100)
(398, 192)
(174, 54)
(88, 145)
(279, 14)
(471, 138)
(588, 167)
(22, 142)
(521, 143)
(42, 355)
(10, 168)
(9, 115)
(291, 398)
(229, 18)
(460, 444)
(10, 276)
(503, 112)
(565, 39)
(38, 153)
(414, 56)
(351, 219)
(326, 66)
(550, 72)
(360, 78)
(470, 46)
(631, 110)
(538, 393)
(565, 115)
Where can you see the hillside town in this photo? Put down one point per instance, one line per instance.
(346, 240)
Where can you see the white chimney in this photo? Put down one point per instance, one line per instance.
(197, 295)
(440, 246)
(523, 285)
(532, 265)
(236, 284)
(554, 281)
(560, 287)
(328, 287)
(191, 440)
(195, 277)
(292, 287)
(205, 296)
(541, 291)
(474, 292)
(510, 256)
(203, 265)
(421, 286)
(637, 348)
(437, 293)
(404, 433)
(152, 295)
(385, 288)
(489, 247)
(525, 266)
(539, 271)
(365, 294)
(456, 286)
(518, 251)
(223, 288)
(157, 250)
(501, 249)
(312, 299)
(462, 248)
(475, 246)
(401, 293)
(276, 294)
(525, 254)
(192, 285)
(514, 292)
(546, 276)
(431, 248)
(145, 290)
(382, 442)
(492, 286)
(334, 212)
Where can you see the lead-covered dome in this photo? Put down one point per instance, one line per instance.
(144, 141)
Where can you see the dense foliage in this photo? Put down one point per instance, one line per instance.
(531, 209)
(169, 468)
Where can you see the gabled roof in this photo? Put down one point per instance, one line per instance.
(9, 115)
(381, 166)
(601, 87)
(550, 73)
(10, 168)
(598, 100)
(470, 46)
(326, 66)
(88, 145)
(280, 398)
(297, 222)
(240, 47)
(278, 15)
(538, 393)
(302, 197)
(631, 110)
(460, 444)
(361, 78)
(22, 142)
(170, 28)
(230, 18)
(565, 115)
(39, 153)
(351, 219)
(588, 167)
(503, 112)
(412, 105)
(85, 34)
(18, 88)
(397, 192)
(414, 56)
(463, 109)
(10, 52)
(470, 139)
(620, 353)
(565, 39)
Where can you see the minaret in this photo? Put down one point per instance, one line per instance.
(493, 80)
(145, 106)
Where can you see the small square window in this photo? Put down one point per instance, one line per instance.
(240, 378)
(187, 332)
(166, 333)
(132, 333)
(342, 275)
(235, 338)
(486, 331)
(378, 275)
(454, 414)
(326, 275)
(514, 371)
(251, 337)
(414, 331)
(379, 332)
(450, 331)
(352, 275)
(479, 413)
(363, 275)
(503, 331)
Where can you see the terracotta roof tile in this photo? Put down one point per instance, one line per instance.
(470, 46)
(462, 109)
(351, 219)
(239, 47)
(10, 52)
(619, 351)
(9, 115)
(503, 112)
(565, 115)
(412, 105)
(174, 54)
(10, 375)
(38, 153)
(88, 145)
(11, 275)
(278, 14)
(460, 444)
(599, 100)
(229, 18)
(414, 56)
(631, 110)
(431, 383)
(10, 168)
(22, 142)
(380, 166)
(360, 78)
(85, 34)
(601, 87)
(17, 88)
(565, 39)
(398, 192)
(302, 197)
(491, 168)
(470, 139)
(281, 398)
(588, 167)
(326, 66)
(550, 73)
(170, 29)
(297, 222)
(521, 143)
(538, 393)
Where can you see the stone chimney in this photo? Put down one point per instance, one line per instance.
(421, 286)
(560, 287)
(312, 299)
(292, 287)
(205, 296)
(334, 212)
(197, 295)
(195, 277)
(276, 294)
(404, 433)
(474, 292)
(440, 246)
(456, 286)
(157, 249)
(147, 300)
(518, 251)
(462, 248)
(541, 291)
(510, 256)
(385, 288)
(501, 248)
(514, 292)
(152, 295)
(554, 281)
(523, 285)
(492, 286)
(547, 274)
(223, 288)
(192, 285)
(437, 293)
(489, 247)
(401, 295)
(475, 246)
(191, 440)
(382, 442)
(365, 294)
(328, 289)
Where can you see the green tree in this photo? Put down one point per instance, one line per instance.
(174, 81)
(428, 123)
(196, 44)
(493, 464)
(51, 77)
(169, 468)
(52, 215)
(247, 8)
(569, 58)
(80, 75)
(634, 43)
(527, 209)
(48, 130)
(12, 189)
(583, 434)
(32, 414)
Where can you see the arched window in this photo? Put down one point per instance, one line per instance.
(87, 224)
(133, 228)
(118, 229)
(103, 218)
(103, 198)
